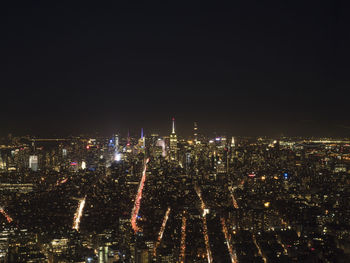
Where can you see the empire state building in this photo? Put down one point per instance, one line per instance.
(173, 142)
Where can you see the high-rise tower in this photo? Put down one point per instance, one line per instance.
(116, 140)
(173, 142)
(33, 162)
(233, 144)
(128, 139)
(142, 140)
(2, 164)
(195, 132)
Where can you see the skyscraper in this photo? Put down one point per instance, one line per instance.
(33, 162)
(142, 140)
(173, 142)
(233, 144)
(116, 141)
(2, 163)
(128, 147)
(195, 132)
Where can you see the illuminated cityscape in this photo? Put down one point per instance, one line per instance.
(169, 132)
(209, 199)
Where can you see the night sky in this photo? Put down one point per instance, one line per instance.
(243, 68)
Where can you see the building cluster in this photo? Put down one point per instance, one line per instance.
(198, 199)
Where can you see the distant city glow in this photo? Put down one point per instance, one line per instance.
(96, 168)
(231, 177)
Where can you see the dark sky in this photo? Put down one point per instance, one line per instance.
(244, 67)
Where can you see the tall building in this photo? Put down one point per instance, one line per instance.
(103, 254)
(128, 148)
(142, 140)
(152, 139)
(143, 256)
(128, 139)
(33, 162)
(195, 132)
(160, 149)
(173, 142)
(2, 163)
(233, 144)
(116, 141)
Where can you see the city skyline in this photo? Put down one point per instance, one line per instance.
(164, 199)
(302, 128)
(163, 132)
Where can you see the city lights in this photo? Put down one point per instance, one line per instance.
(78, 214)
(137, 204)
(201, 201)
(175, 132)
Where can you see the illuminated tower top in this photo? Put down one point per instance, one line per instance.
(195, 131)
(142, 140)
(128, 139)
(233, 142)
(116, 139)
(173, 126)
(173, 142)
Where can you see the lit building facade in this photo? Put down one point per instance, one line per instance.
(173, 142)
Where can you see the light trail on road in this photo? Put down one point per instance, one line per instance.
(183, 239)
(161, 232)
(259, 249)
(199, 193)
(279, 241)
(232, 253)
(62, 181)
(78, 214)
(136, 208)
(205, 228)
(206, 239)
(235, 204)
(3, 212)
(232, 190)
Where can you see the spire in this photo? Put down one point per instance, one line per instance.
(128, 139)
(173, 128)
(195, 131)
(142, 140)
(233, 142)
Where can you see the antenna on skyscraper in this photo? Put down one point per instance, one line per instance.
(195, 131)
(128, 139)
(173, 125)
